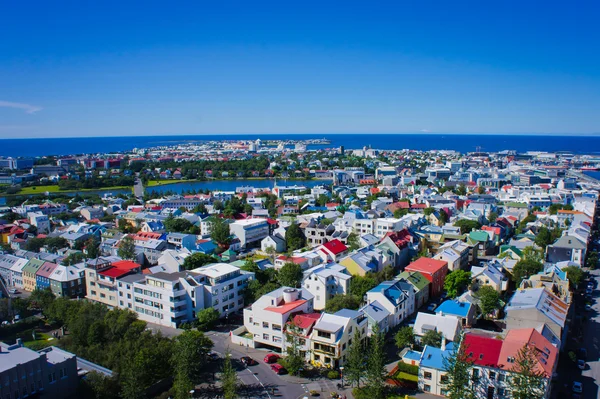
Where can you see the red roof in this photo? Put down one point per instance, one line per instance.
(483, 351)
(286, 307)
(516, 339)
(126, 265)
(306, 320)
(114, 272)
(335, 246)
(427, 266)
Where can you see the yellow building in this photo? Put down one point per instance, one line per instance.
(29, 271)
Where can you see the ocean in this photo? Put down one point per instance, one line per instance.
(423, 141)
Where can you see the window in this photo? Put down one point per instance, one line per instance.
(444, 379)
(266, 337)
(276, 327)
(492, 375)
(427, 388)
(427, 375)
(323, 334)
(500, 377)
(265, 324)
(475, 374)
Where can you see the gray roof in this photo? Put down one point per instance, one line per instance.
(375, 311)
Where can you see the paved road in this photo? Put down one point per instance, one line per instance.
(138, 188)
(591, 341)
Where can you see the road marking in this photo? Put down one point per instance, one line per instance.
(260, 382)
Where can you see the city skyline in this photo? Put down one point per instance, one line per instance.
(319, 69)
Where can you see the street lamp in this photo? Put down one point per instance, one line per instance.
(342, 374)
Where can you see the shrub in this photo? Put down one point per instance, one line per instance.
(408, 368)
(333, 375)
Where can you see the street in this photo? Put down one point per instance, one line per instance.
(591, 329)
(138, 188)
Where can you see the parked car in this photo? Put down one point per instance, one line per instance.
(13, 291)
(278, 368)
(213, 356)
(248, 361)
(581, 364)
(589, 290)
(588, 307)
(577, 387)
(271, 358)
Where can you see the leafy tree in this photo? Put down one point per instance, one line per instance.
(294, 360)
(398, 213)
(376, 371)
(458, 367)
(591, 260)
(271, 251)
(492, 217)
(207, 318)
(41, 299)
(228, 378)
(456, 282)
(359, 285)
(177, 225)
(201, 209)
(574, 274)
(432, 338)
(92, 247)
(290, 275)
(198, 259)
(466, 225)
(218, 205)
(294, 237)
(55, 243)
(356, 364)
(428, 211)
(126, 248)
(527, 382)
(220, 231)
(353, 241)
(443, 216)
(480, 190)
(73, 258)
(341, 301)
(190, 352)
(405, 337)
(489, 299)
(543, 237)
(524, 269)
(35, 244)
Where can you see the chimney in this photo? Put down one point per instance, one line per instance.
(19, 342)
(443, 347)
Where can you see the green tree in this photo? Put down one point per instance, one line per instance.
(428, 211)
(177, 225)
(489, 299)
(405, 337)
(456, 282)
(353, 241)
(359, 285)
(294, 237)
(341, 301)
(357, 360)
(207, 318)
(524, 269)
(35, 244)
(574, 274)
(591, 259)
(55, 243)
(271, 251)
(92, 247)
(458, 367)
(543, 238)
(290, 275)
(201, 209)
(526, 382)
(126, 248)
(492, 217)
(294, 361)
(228, 378)
(376, 371)
(73, 258)
(466, 225)
(432, 338)
(220, 231)
(41, 299)
(198, 259)
(190, 352)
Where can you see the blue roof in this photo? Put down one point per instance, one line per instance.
(413, 355)
(391, 290)
(433, 357)
(454, 307)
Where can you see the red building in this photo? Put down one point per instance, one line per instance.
(434, 270)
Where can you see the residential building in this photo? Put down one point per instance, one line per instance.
(490, 273)
(102, 277)
(68, 281)
(325, 281)
(567, 248)
(333, 250)
(463, 311)
(276, 241)
(397, 297)
(318, 233)
(449, 326)
(455, 253)
(42, 276)
(40, 221)
(266, 318)
(332, 336)
(29, 273)
(434, 270)
(420, 286)
(250, 231)
(16, 272)
(432, 370)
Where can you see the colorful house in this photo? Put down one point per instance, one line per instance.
(434, 270)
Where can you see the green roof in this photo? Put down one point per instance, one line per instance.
(516, 250)
(33, 265)
(479, 235)
(419, 281)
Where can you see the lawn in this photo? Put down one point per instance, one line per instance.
(55, 189)
(42, 341)
(407, 377)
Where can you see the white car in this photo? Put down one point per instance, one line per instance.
(577, 387)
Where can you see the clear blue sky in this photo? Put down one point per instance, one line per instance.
(145, 68)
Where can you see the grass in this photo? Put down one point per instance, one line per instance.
(41, 342)
(407, 377)
(55, 189)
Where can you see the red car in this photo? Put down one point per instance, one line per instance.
(271, 358)
(278, 368)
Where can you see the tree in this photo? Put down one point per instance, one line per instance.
(525, 268)
(456, 282)
(55, 243)
(492, 217)
(353, 241)
(341, 301)
(432, 338)
(405, 337)
(228, 378)
(458, 367)
(220, 231)
(376, 371)
(294, 361)
(359, 285)
(294, 237)
(198, 259)
(527, 382)
(218, 205)
(428, 211)
(574, 274)
(290, 275)
(73, 258)
(591, 260)
(190, 352)
(35, 244)
(41, 299)
(207, 318)
(443, 216)
(489, 299)
(356, 364)
(271, 251)
(201, 209)
(126, 248)
(480, 190)
(543, 237)
(92, 247)
(177, 225)
(466, 225)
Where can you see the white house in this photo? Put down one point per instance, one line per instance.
(250, 231)
(325, 281)
(276, 241)
(449, 326)
(397, 297)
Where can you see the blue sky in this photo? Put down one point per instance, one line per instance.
(146, 68)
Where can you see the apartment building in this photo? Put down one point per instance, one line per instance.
(40, 221)
(397, 297)
(68, 281)
(101, 278)
(266, 318)
(250, 231)
(29, 273)
(325, 281)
